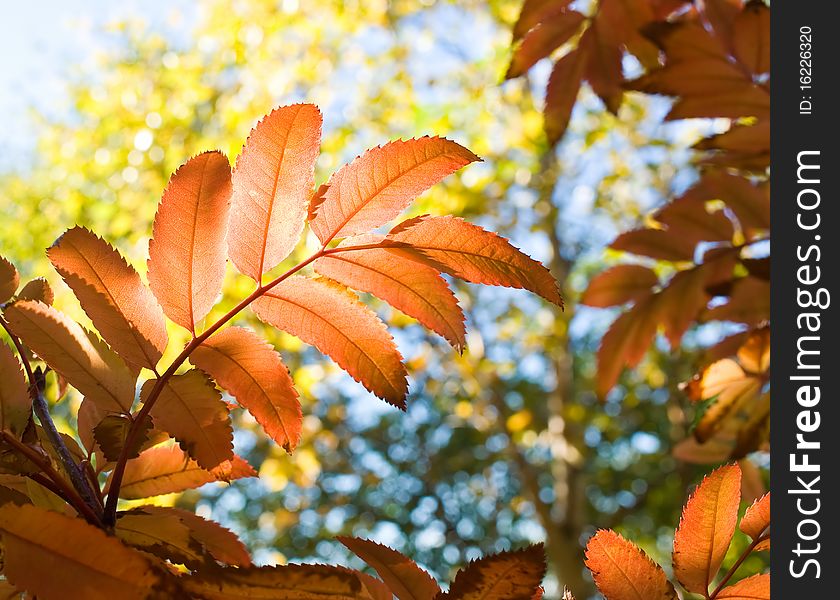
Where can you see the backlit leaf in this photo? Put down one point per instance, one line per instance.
(378, 185)
(289, 582)
(188, 249)
(15, 403)
(168, 469)
(756, 587)
(757, 518)
(9, 279)
(402, 575)
(272, 182)
(62, 558)
(655, 243)
(706, 528)
(622, 571)
(123, 309)
(221, 543)
(37, 289)
(415, 289)
(332, 319)
(515, 574)
(618, 285)
(84, 360)
(534, 12)
(751, 37)
(252, 371)
(543, 39)
(473, 254)
(191, 410)
(562, 91)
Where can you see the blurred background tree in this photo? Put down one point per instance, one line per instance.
(503, 445)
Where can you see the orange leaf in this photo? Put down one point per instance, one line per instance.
(515, 574)
(687, 217)
(603, 64)
(543, 39)
(534, 12)
(378, 185)
(180, 536)
(748, 303)
(416, 289)
(191, 410)
(272, 181)
(37, 289)
(220, 542)
(755, 353)
(706, 528)
(331, 318)
(756, 587)
(562, 92)
(111, 293)
(252, 371)
(757, 518)
(9, 279)
(749, 202)
(188, 250)
(469, 252)
(405, 579)
(655, 243)
(626, 341)
(618, 285)
(751, 37)
(288, 582)
(81, 357)
(622, 571)
(62, 558)
(168, 469)
(15, 403)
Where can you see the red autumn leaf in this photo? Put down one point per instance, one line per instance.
(562, 91)
(9, 279)
(415, 289)
(468, 252)
(15, 404)
(168, 469)
(57, 557)
(81, 357)
(331, 318)
(748, 303)
(751, 37)
(543, 39)
(688, 217)
(756, 587)
(706, 528)
(403, 577)
(37, 289)
(188, 249)
(603, 65)
(536, 11)
(287, 582)
(618, 285)
(655, 243)
(110, 291)
(253, 372)
(272, 181)
(378, 185)
(757, 518)
(622, 571)
(514, 574)
(626, 342)
(191, 410)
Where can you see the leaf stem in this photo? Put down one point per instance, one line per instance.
(43, 463)
(131, 437)
(738, 563)
(37, 383)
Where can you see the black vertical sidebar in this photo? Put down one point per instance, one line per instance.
(805, 443)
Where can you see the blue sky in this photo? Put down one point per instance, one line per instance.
(42, 41)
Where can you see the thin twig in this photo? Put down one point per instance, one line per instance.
(43, 463)
(737, 564)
